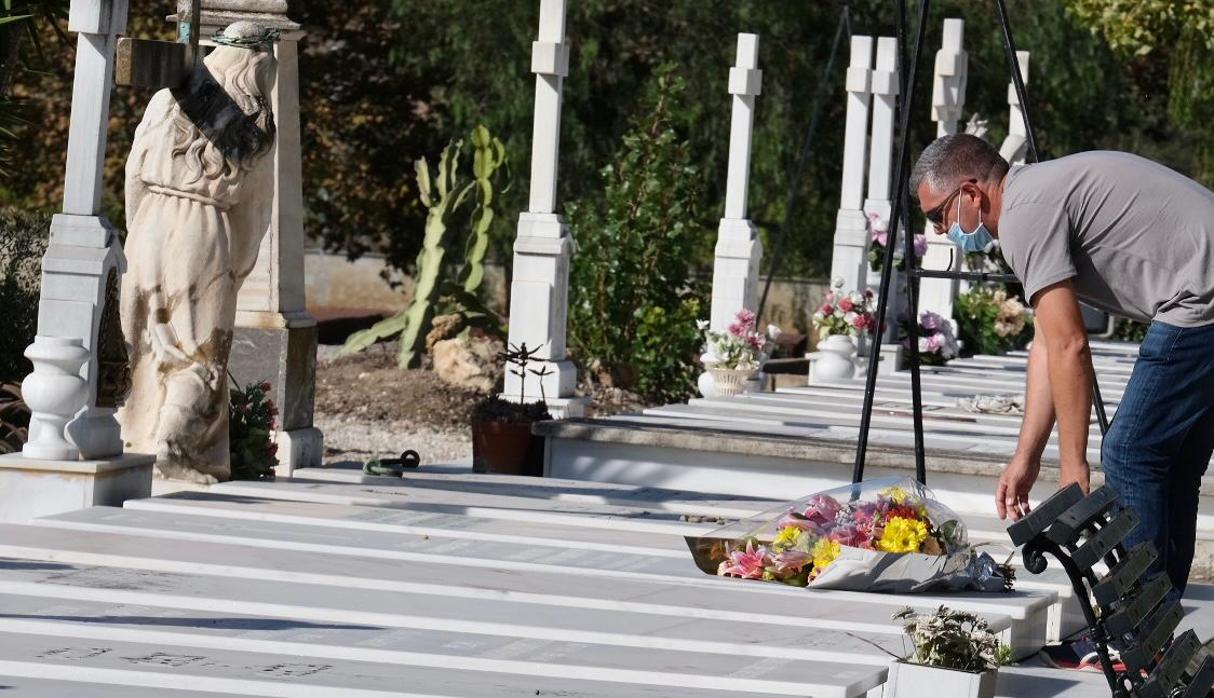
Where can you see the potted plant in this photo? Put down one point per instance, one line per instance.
(956, 656)
(502, 441)
(937, 343)
(737, 354)
(251, 426)
(841, 317)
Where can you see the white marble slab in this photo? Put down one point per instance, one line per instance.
(700, 597)
(332, 642)
(103, 659)
(822, 640)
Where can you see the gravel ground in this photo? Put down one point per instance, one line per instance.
(367, 407)
(349, 439)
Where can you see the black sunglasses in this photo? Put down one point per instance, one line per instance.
(936, 215)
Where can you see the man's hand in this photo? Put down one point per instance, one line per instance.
(1080, 473)
(1012, 495)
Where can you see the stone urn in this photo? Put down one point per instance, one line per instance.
(55, 392)
(835, 359)
(731, 381)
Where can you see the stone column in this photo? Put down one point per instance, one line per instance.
(81, 371)
(1015, 148)
(84, 259)
(735, 269)
(735, 272)
(885, 88)
(275, 336)
(948, 100)
(849, 260)
(539, 289)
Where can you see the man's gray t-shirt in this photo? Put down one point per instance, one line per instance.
(1136, 238)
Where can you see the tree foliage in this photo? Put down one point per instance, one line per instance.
(634, 301)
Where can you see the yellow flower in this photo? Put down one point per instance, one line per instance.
(825, 552)
(895, 493)
(787, 537)
(902, 535)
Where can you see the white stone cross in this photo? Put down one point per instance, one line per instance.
(849, 259)
(1015, 146)
(885, 89)
(949, 81)
(539, 289)
(948, 100)
(735, 271)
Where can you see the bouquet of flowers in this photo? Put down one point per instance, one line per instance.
(879, 237)
(992, 321)
(740, 347)
(937, 344)
(884, 535)
(845, 313)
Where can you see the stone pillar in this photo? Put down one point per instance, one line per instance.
(735, 269)
(1015, 146)
(539, 289)
(880, 164)
(948, 100)
(275, 336)
(79, 356)
(735, 272)
(84, 259)
(849, 260)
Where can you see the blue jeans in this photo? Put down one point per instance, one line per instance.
(1161, 439)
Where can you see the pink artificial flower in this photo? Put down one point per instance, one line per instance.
(846, 305)
(747, 318)
(930, 321)
(795, 520)
(755, 341)
(868, 293)
(827, 310)
(880, 237)
(821, 509)
(747, 564)
(850, 535)
(920, 245)
(859, 322)
(790, 562)
(736, 329)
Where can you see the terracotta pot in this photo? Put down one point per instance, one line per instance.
(506, 448)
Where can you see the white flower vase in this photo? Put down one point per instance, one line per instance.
(55, 392)
(921, 681)
(731, 381)
(835, 360)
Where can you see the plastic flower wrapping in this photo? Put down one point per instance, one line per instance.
(888, 535)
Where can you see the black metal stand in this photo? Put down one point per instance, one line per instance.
(899, 222)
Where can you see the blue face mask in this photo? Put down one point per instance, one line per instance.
(977, 241)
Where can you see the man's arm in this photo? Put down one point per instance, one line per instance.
(1070, 376)
(1016, 481)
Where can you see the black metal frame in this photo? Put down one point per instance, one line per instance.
(1126, 606)
(899, 220)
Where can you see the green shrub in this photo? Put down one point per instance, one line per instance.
(634, 299)
(23, 238)
(991, 321)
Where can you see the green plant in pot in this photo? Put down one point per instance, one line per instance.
(502, 441)
(956, 656)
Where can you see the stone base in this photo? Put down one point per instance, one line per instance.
(299, 448)
(31, 488)
(280, 349)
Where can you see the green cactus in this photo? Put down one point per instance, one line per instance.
(443, 195)
(488, 156)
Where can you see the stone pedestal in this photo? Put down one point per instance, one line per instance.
(30, 487)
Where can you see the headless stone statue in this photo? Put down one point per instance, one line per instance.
(199, 189)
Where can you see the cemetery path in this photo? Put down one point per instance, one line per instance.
(444, 583)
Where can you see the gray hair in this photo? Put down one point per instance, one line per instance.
(950, 160)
